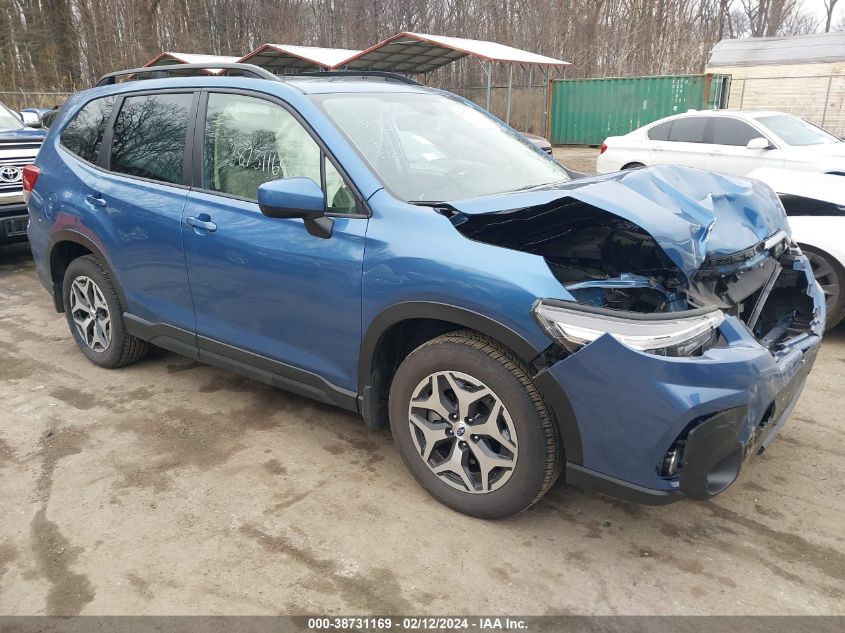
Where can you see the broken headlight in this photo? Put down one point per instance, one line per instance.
(666, 334)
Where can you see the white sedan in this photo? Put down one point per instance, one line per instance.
(729, 141)
(815, 204)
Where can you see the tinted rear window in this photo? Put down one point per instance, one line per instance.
(688, 130)
(84, 134)
(660, 132)
(733, 132)
(149, 136)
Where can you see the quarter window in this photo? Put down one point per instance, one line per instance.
(84, 135)
(688, 130)
(250, 141)
(733, 132)
(339, 196)
(660, 132)
(149, 137)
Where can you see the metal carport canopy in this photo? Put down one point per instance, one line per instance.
(170, 58)
(422, 53)
(286, 58)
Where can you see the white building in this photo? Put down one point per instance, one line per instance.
(803, 75)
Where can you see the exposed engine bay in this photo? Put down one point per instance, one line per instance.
(606, 261)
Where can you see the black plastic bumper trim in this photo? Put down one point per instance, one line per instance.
(592, 480)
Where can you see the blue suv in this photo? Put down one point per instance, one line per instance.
(398, 252)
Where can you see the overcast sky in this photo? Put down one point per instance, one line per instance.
(816, 7)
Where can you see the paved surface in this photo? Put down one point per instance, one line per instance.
(170, 487)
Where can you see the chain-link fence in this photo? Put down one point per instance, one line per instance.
(818, 99)
(18, 100)
(528, 105)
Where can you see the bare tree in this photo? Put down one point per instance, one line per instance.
(829, 7)
(67, 44)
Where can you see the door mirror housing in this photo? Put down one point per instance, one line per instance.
(296, 198)
(759, 143)
(30, 119)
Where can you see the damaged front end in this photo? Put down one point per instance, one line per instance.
(662, 241)
(685, 328)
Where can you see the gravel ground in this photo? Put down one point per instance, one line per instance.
(170, 487)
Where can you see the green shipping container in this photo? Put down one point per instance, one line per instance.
(587, 111)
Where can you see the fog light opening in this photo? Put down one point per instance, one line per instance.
(768, 416)
(673, 461)
(724, 473)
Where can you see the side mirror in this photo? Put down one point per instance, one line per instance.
(31, 119)
(296, 198)
(47, 118)
(759, 143)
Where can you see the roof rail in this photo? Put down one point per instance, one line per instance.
(376, 74)
(249, 70)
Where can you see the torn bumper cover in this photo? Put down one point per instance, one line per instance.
(637, 413)
(690, 325)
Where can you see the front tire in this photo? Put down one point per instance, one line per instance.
(472, 427)
(95, 315)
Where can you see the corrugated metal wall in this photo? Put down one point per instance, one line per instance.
(815, 92)
(587, 111)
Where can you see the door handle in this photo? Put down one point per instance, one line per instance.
(203, 221)
(96, 200)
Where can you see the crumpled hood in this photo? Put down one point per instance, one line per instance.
(692, 214)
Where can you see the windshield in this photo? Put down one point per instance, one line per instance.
(8, 121)
(432, 148)
(795, 131)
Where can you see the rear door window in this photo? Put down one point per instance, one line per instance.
(84, 134)
(149, 137)
(689, 130)
(733, 132)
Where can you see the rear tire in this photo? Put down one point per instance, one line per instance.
(501, 453)
(95, 315)
(831, 277)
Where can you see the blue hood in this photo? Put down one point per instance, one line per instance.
(692, 214)
(23, 134)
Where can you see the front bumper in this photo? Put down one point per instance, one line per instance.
(13, 223)
(620, 411)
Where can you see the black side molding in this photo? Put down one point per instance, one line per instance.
(243, 362)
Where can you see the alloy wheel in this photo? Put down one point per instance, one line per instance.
(462, 432)
(90, 313)
(826, 275)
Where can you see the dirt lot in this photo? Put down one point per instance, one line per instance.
(581, 159)
(169, 487)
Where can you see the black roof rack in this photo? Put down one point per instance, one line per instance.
(247, 70)
(373, 74)
(181, 70)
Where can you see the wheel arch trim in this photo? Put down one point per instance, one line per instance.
(68, 235)
(411, 310)
(552, 392)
